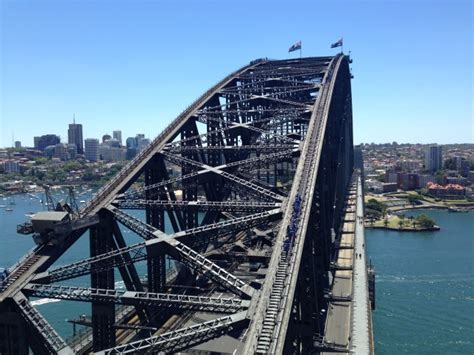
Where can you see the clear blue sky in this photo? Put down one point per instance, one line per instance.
(134, 65)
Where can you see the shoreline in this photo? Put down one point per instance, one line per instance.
(433, 229)
(432, 207)
(53, 188)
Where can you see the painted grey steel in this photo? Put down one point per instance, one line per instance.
(182, 302)
(180, 339)
(251, 204)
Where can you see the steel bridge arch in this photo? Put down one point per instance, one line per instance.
(263, 196)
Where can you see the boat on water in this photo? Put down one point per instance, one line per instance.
(3, 206)
(29, 214)
(8, 209)
(458, 209)
(33, 196)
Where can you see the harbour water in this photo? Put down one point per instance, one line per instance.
(425, 281)
(425, 287)
(13, 246)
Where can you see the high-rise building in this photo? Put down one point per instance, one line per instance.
(49, 151)
(118, 136)
(114, 143)
(433, 158)
(72, 150)
(462, 165)
(109, 153)
(74, 135)
(92, 149)
(142, 143)
(131, 143)
(46, 140)
(106, 137)
(11, 166)
(61, 151)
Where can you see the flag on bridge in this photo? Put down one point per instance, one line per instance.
(337, 44)
(295, 47)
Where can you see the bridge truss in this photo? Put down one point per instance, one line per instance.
(244, 192)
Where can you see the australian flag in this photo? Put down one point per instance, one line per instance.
(337, 44)
(295, 47)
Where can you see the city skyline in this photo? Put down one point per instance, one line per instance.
(116, 134)
(412, 63)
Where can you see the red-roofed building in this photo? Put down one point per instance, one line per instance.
(454, 191)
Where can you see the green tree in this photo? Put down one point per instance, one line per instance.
(425, 221)
(41, 161)
(413, 200)
(375, 205)
(72, 165)
(450, 164)
(373, 214)
(400, 223)
(424, 191)
(90, 175)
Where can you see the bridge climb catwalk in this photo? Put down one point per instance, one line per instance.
(237, 209)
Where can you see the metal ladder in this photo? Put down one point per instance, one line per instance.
(270, 321)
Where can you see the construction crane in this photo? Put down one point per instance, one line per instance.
(44, 223)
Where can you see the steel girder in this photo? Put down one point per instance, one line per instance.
(137, 252)
(183, 338)
(231, 206)
(269, 124)
(47, 338)
(194, 260)
(105, 261)
(274, 337)
(165, 300)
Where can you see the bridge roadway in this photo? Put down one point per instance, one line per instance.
(349, 315)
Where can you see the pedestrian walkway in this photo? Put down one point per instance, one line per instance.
(360, 343)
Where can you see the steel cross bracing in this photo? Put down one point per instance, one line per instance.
(229, 195)
(281, 115)
(269, 333)
(106, 261)
(230, 206)
(184, 302)
(54, 343)
(183, 338)
(137, 252)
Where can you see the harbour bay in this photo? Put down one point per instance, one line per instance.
(424, 284)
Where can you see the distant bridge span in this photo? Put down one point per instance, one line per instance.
(238, 209)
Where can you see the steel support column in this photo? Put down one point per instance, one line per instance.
(103, 314)
(190, 190)
(156, 263)
(13, 333)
